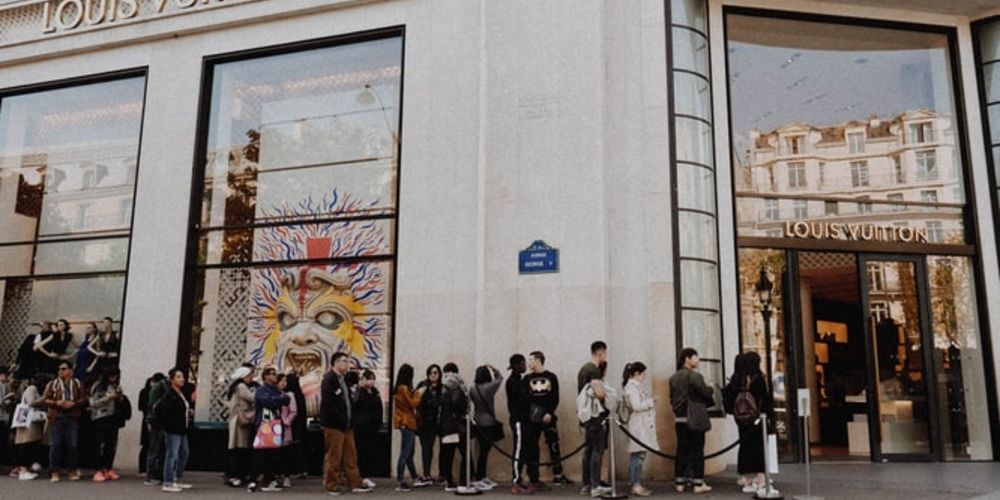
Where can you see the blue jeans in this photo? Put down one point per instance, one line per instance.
(65, 437)
(635, 460)
(406, 448)
(176, 456)
(154, 455)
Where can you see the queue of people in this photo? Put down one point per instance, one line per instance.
(267, 424)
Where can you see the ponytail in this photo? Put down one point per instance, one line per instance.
(626, 374)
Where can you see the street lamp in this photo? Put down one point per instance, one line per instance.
(764, 289)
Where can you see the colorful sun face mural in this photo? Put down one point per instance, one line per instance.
(301, 316)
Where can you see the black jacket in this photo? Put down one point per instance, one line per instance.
(333, 407)
(517, 399)
(172, 414)
(453, 409)
(367, 409)
(427, 410)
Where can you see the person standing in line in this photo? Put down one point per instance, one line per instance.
(591, 377)
(295, 458)
(268, 398)
(29, 441)
(543, 394)
(173, 415)
(242, 413)
(518, 409)
(368, 425)
(688, 386)
(452, 415)
(336, 417)
(750, 381)
(105, 397)
(143, 406)
(289, 413)
(158, 388)
(110, 346)
(641, 412)
(428, 424)
(65, 398)
(488, 430)
(404, 417)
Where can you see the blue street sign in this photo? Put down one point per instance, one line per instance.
(538, 258)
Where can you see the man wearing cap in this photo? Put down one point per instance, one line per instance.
(517, 406)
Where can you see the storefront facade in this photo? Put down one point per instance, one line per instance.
(272, 181)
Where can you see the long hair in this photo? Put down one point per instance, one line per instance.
(738, 367)
(632, 369)
(431, 368)
(404, 378)
(293, 386)
(751, 366)
(483, 375)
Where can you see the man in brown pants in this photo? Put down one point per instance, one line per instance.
(335, 416)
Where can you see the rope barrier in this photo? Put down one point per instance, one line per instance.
(509, 456)
(667, 455)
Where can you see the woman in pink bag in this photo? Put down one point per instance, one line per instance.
(270, 432)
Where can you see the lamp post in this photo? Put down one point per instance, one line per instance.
(764, 289)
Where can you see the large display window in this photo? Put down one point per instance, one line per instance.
(294, 249)
(68, 161)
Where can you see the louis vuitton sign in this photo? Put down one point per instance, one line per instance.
(67, 15)
(854, 232)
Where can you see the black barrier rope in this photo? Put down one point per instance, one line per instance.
(667, 455)
(493, 444)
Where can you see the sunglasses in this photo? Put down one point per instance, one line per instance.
(63, 368)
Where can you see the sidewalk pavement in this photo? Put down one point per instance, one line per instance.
(980, 481)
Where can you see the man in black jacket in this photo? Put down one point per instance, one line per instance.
(517, 407)
(338, 435)
(542, 388)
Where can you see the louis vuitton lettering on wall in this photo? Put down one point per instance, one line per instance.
(67, 15)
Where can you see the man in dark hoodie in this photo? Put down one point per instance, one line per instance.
(542, 388)
(452, 414)
(335, 415)
(517, 407)
(269, 398)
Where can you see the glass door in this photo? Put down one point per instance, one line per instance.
(901, 415)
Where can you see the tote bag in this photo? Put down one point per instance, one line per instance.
(270, 432)
(697, 416)
(21, 417)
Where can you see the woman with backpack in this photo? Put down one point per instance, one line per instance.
(641, 419)
(751, 397)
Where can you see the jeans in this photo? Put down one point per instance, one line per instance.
(65, 437)
(482, 458)
(106, 433)
(690, 464)
(176, 457)
(596, 439)
(635, 460)
(427, 439)
(407, 445)
(154, 455)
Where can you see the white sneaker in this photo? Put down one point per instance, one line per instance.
(368, 483)
(24, 475)
(492, 483)
(171, 488)
(751, 488)
(287, 483)
(183, 486)
(36, 467)
(272, 486)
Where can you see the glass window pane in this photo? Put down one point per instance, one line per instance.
(694, 141)
(991, 82)
(78, 300)
(690, 51)
(989, 42)
(82, 256)
(367, 188)
(698, 235)
(692, 96)
(331, 240)
(695, 188)
(15, 260)
(699, 284)
(958, 353)
(693, 13)
(994, 116)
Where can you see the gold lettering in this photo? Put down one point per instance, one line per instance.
(788, 229)
(801, 229)
(920, 235)
(837, 231)
(47, 18)
(816, 230)
(77, 14)
(867, 232)
(94, 15)
(852, 231)
(906, 234)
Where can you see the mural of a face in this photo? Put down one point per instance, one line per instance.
(313, 318)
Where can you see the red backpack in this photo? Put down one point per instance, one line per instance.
(745, 407)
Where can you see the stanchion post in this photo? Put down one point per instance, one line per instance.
(768, 491)
(468, 488)
(611, 449)
(805, 427)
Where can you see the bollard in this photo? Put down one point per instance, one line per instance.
(768, 491)
(808, 495)
(611, 465)
(468, 489)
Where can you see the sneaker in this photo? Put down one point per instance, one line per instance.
(272, 486)
(599, 491)
(251, 487)
(403, 487)
(362, 489)
(585, 490)
(679, 487)
(152, 482)
(562, 480)
(99, 477)
(538, 486)
(183, 486)
(111, 475)
(751, 488)
(234, 482)
(74, 476)
(26, 475)
(641, 491)
(422, 482)
(492, 483)
(15, 471)
(36, 467)
(54, 478)
(171, 488)
(482, 485)
(517, 489)
(702, 488)
(287, 482)
(368, 483)
(451, 487)
(741, 481)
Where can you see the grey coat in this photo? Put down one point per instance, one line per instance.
(482, 397)
(241, 404)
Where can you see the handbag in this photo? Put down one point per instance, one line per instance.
(21, 417)
(697, 417)
(38, 416)
(270, 432)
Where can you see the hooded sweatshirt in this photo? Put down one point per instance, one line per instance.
(454, 405)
